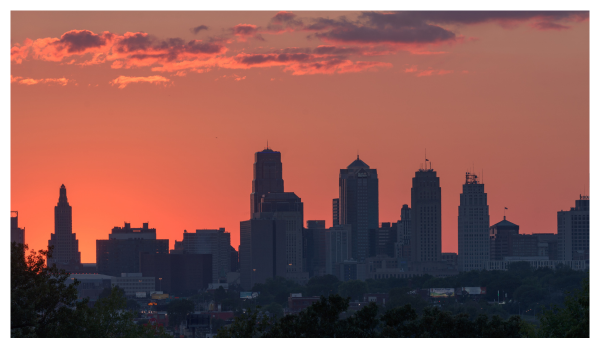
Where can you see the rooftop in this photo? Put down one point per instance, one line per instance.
(358, 164)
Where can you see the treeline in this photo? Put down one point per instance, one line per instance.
(523, 290)
(323, 319)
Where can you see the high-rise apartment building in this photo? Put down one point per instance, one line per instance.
(66, 246)
(213, 242)
(574, 231)
(268, 176)
(120, 253)
(473, 226)
(314, 248)
(17, 234)
(426, 217)
(359, 205)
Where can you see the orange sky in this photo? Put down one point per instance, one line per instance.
(143, 122)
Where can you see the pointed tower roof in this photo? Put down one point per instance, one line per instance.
(358, 164)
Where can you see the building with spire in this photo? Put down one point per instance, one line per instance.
(66, 246)
(473, 226)
(359, 206)
(426, 216)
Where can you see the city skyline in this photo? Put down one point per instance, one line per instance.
(506, 94)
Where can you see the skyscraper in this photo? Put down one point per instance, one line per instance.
(359, 205)
(426, 218)
(214, 242)
(473, 226)
(268, 176)
(17, 234)
(66, 245)
(403, 233)
(271, 241)
(573, 229)
(337, 247)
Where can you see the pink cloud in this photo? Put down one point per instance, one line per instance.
(29, 81)
(123, 81)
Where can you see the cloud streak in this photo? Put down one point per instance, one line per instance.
(123, 81)
(29, 81)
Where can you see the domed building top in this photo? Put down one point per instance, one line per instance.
(504, 223)
(358, 164)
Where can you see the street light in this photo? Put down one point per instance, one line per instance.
(160, 283)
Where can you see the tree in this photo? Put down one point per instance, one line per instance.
(355, 289)
(178, 310)
(573, 320)
(323, 285)
(40, 299)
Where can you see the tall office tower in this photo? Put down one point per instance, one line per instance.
(271, 241)
(501, 236)
(214, 242)
(473, 226)
(336, 211)
(338, 247)
(426, 218)
(17, 234)
(314, 248)
(403, 235)
(262, 251)
(574, 231)
(359, 205)
(66, 245)
(120, 253)
(287, 209)
(267, 176)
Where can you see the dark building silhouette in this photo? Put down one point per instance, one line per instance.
(501, 239)
(336, 211)
(267, 177)
(177, 273)
(573, 229)
(17, 234)
(314, 249)
(426, 218)
(214, 242)
(271, 241)
(473, 226)
(359, 206)
(66, 253)
(121, 252)
(262, 251)
(387, 237)
(234, 259)
(403, 236)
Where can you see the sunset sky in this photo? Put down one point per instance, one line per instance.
(156, 116)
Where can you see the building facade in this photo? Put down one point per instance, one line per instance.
(17, 234)
(314, 248)
(177, 273)
(268, 176)
(336, 211)
(359, 205)
(121, 252)
(426, 217)
(338, 247)
(473, 226)
(213, 242)
(66, 246)
(573, 228)
(403, 232)
(501, 237)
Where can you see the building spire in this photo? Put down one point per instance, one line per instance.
(62, 198)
